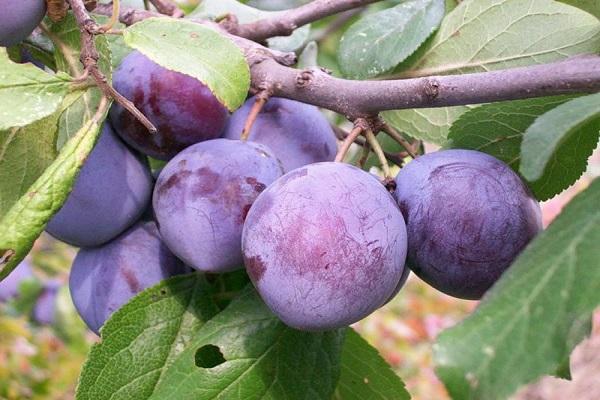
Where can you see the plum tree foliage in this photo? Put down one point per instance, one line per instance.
(233, 267)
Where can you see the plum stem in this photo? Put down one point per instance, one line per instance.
(261, 99)
(372, 140)
(354, 134)
(394, 134)
(114, 18)
(341, 134)
(365, 155)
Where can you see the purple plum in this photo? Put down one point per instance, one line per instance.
(9, 287)
(183, 109)
(18, 18)
(111, 192)
(105, 278)
(297, 133)
(45, 306)
(202, 197)
(325, 246)
(468, 216)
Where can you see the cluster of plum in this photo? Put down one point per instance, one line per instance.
(324, 243)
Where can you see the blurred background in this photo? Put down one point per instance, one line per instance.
(43, 343)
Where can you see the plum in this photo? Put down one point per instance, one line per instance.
(18, 19)
(183, 109)
(468, 216)
(111, 192)
(202, 196)
(297, 133)
(45, 306)
(104, 278)
(9, 287)
(324, 245)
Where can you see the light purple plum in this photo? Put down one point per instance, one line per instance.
(202, 197)
(468, 216)
(18, 18)
(9, 287)
(45, 307)
(325, 246)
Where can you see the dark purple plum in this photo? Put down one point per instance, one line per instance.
(18, 18)
(45, 307)
(111, 192)
(183, 109)
(297, 133)
(9, 287)
(325, 246)
(202, 197)
(468, 216)
(105, 278)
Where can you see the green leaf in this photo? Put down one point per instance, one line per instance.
(483, 35)
(378, 42)
(498, 129)
(197, 51)
(528, 323)
(28, 94)
(67, 54)
(214, 9)
(561, 140)
(144, 337)
(26, 219)
(365, 375)
(428, 124)
(245, 352)
(591, 6)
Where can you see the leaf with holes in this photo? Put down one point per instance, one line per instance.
(28, 94)
(197, 51)
(245, 352)
(561, 140)
(528, 323)
(378, 42)
(144, 337)
(365, 374)
(483, 35)
(499, 129)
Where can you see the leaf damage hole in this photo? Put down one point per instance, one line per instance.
(209, 356)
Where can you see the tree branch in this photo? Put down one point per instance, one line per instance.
(283, 24)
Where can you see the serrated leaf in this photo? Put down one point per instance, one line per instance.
(213, 9)
(591, 6)
(245, 352)
(483, 35)
(528, 323)
(26, 219)
(380, 41)
(498, 129)
(66, 32)
(197, 51)
(365, 374)
(28, 94)
(143, 338)
(427, 124)
(561, 140)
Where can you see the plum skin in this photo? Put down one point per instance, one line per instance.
(9, 287)
(325, 245)
(468, 216)
(202, 196)
(297, 132)
(103, 279)
(111, 192)
(18, 19)
(44, 311)
(183, 109)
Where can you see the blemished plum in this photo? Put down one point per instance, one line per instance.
(111, 192)
(104, 278)
(297, 133)
(183, 110)
(45, 306)
(18, 19)
(202, 197)
(9, 287)
(468, 216)
(325, 246)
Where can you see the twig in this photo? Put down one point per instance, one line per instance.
(167, 7)
(372, 140)
(359, 127)
(336, 24)
(261, 99)
(283, 24)
(394, 134)
(89, 58)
